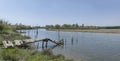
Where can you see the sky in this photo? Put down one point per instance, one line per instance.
(47, 12)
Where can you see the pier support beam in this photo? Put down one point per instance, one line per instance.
(46, 44)
(42, 44)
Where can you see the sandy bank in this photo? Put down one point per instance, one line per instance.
(117, 31)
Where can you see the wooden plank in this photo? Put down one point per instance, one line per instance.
(7, 44)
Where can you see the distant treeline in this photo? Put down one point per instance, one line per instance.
(109, 27)
(69, 26)
(21, 26)
(76, 26)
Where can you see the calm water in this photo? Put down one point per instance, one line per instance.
(81, 45)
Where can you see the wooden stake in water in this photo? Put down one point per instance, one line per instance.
(36, 33)
(58, 34)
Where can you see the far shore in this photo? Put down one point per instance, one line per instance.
(116, 31)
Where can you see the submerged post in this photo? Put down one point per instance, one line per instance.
(42, 44)
(46, 44)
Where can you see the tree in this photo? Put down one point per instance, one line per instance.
(57, 26)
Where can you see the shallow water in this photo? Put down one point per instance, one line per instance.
(82, 45)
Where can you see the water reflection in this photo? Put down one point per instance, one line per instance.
(36, 32)
(76, 37)
(72, 41)
(58, 35)
(46, 47)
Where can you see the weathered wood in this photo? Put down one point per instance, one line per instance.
(18, 42)
(7, 44)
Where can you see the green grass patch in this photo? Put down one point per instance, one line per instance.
(16, 54)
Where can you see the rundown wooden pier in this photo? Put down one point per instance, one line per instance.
(7, 44)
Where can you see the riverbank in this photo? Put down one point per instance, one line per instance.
(116, 31)
(8, 32)
(27, 54)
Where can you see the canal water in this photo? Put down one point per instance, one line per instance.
(81, 45)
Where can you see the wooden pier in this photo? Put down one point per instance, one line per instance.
(7, 44)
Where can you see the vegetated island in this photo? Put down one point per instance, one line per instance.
(8, 32)
(83, 28)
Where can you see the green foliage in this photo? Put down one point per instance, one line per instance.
(1, 27)
(109, 27)
(7, 32)
(49, 26)
(76, 26)
(5, 27)
(69, 26)
(57, 26)
(17, 54)
(12, 37)
(21, 26)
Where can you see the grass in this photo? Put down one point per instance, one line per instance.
(12, 36)
(16, 54)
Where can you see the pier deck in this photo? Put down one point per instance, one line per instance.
(7, 44)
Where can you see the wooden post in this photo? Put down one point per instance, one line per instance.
(72, 41)
(42, 44)
(46, 44)
(37, 45)
(58, 34)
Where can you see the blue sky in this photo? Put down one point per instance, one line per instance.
(45, 12)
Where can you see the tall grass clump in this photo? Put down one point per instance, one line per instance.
(16, 54)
